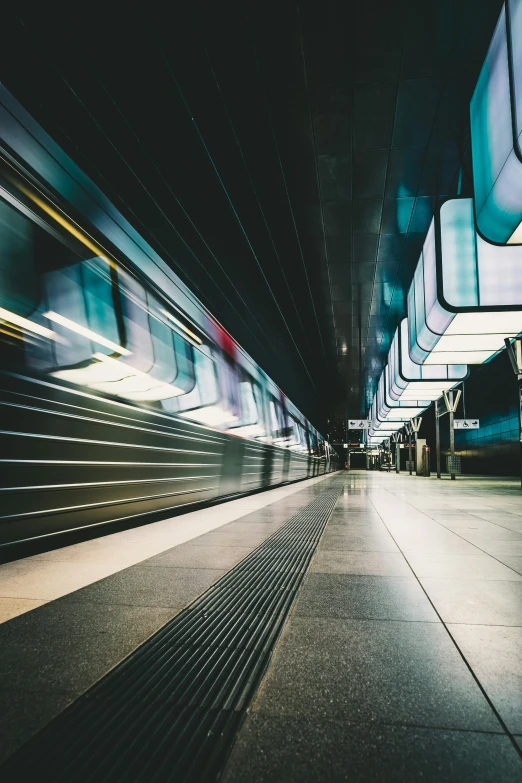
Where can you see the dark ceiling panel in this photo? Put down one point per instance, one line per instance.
(365, 248)
(332, 119)
(339, 250)
(367, 214)
(285, 164)
(404, 172)
(369, 173)
(337, 219)
(374, 106)
(335, 177)
(416, 107)
(396, 215)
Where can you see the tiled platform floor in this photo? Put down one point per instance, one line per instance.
(402, 659)
(51, 655)
(33, 581)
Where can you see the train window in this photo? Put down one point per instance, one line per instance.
(203, 403)
(83, 301)
(64, 296)
(306, 440)
(99, 301)
(173, 358)
(251, 423)
(138, 340)
(83, 318)
(303, 445)
(293, 436)
(19, 290)
(277, 421)
(297, 438)
(229, 388)
(185, 379)
(249, 414)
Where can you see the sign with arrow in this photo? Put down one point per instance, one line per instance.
(358, 424)
(466, 424)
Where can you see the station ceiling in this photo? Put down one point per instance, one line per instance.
(284, 158)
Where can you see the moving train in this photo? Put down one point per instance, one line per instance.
(120, 394)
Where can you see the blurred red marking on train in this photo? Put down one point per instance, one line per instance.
(227, 343)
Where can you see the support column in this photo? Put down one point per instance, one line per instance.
(451, 400)
(409, 431)
(452, 435)
(396, 438)
(415, 427)
(437, 437)
(515, 357)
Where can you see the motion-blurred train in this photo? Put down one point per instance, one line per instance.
(120, 394)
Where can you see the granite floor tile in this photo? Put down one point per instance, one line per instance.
(12, 607)
(271, 748)
(42, 580)
(189, 556)
(65, 646)
(364, 598)
(371, 671)
(499, 536)
(495, 655)
(434, 544)
(453, 566)
(351, 521)
(143, 586)
(267, 528)
(234, 538)
(369, 563)
(29, 711)
(500, 547)
(512, 562)
(476, 602)
(357, 529)
(356, 543)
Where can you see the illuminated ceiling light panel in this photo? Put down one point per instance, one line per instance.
(386, 419)
(120, 379)
(380, 435)
(466, 294)
(407, 381)
(389, 410)
(496, 128)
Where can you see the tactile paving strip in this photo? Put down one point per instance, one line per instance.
(170, 711)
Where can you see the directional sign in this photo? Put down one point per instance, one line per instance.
(466, 424)
(358, 424)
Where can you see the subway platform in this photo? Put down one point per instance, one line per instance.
(358, 626)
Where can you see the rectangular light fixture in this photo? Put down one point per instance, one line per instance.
(496, 127)
(410, 381)
(466, 294)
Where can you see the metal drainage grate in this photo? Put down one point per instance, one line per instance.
(171, 710)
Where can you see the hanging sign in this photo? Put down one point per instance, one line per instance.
(359, 424)
(466, 424)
